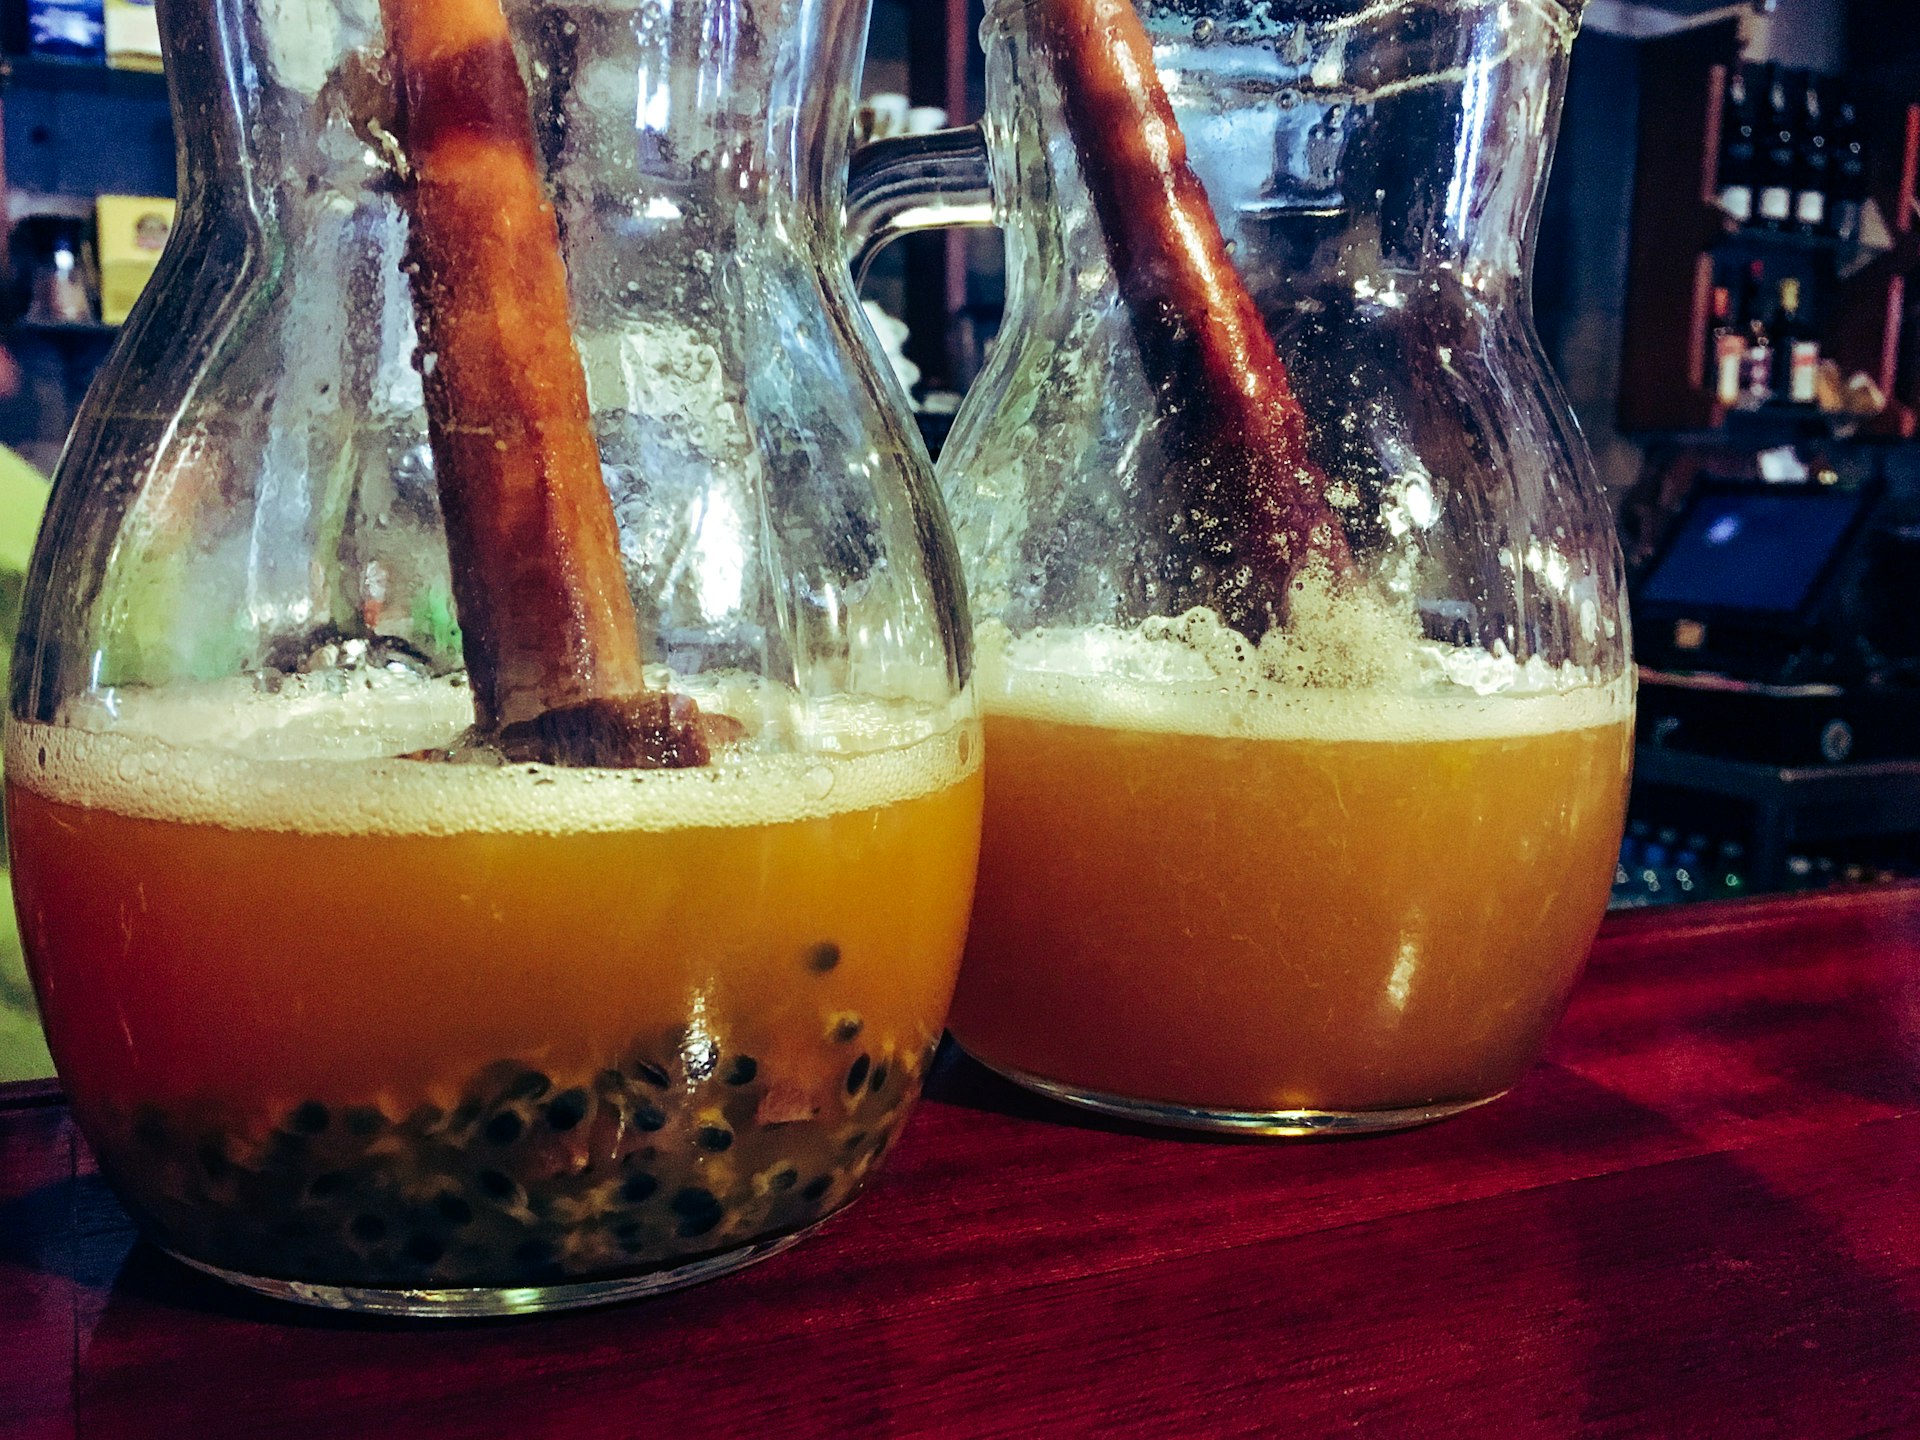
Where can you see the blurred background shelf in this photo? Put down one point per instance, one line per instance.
(33, 72)
(1807, 810)
(1684, 245)
(64, 329)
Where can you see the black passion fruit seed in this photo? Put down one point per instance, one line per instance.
(823, 957)
(698, 1210)
(505, 1128)
(567, 1109)
(527, 1176)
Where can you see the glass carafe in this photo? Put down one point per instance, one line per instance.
(1305, 774)
(369, 986)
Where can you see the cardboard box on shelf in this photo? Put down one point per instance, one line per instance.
(133, 230)
(133, 35)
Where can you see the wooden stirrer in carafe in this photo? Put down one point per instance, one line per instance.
(552, 643)
(1247, 503)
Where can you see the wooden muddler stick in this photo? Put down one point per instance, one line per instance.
(552, 643)
(1252, 501)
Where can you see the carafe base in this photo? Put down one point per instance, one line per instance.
(1277, 1123)
(491, 1302)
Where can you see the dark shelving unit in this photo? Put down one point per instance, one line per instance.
(37, 72)
(70, 131)
(1681, 236)
(1803, 807)
(65, 329)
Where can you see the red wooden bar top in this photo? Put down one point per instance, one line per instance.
(1699, 1217)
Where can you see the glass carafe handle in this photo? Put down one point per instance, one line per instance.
(896, 186)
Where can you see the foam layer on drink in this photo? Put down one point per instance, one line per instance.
(321, 759)
(1370, 681)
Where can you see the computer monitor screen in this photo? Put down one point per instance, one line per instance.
(1751, 550)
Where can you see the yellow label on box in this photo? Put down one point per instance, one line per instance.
(133, 230)
(133, 35)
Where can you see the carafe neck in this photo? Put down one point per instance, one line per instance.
(651, 106)
(1336, 141)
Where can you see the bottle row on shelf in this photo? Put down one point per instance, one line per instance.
(1661, 868)
(1793, 153)
(1666, 866)
(1766, 352)
(1767, 349)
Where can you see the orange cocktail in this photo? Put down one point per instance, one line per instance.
(360, 1020)
(1327, 909)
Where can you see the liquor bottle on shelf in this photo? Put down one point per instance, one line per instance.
(1796, 353)
(1849, 165)
(1656, 879)
(1729, 349)
(1626, 876)
(1729, 879)
(1813, 164)
(1756, 373)
(1739, 138)
(1779, 156)
(1689, 877)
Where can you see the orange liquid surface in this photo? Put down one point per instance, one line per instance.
(1278, 924)
(259, 968)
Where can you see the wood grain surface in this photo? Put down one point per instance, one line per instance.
(1699, 1217)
